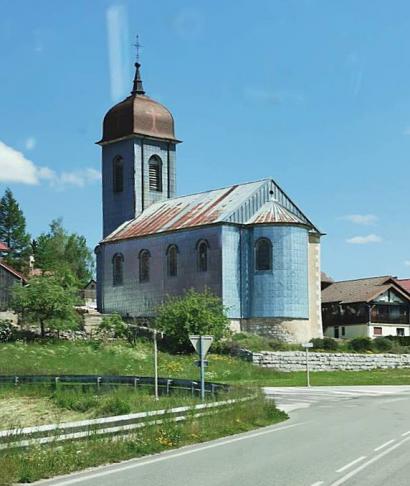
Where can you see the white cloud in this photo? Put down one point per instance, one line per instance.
(15, 167)
(79, 178)
(407, 263)
(364, 240)
(118, 50)
(30, 143)
(365, 219)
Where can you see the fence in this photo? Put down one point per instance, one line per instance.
(117, 425)
(166, 385)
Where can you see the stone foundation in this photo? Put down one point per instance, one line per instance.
(285, 330)
(296, 361)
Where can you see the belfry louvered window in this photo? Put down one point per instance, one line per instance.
(155, 174)
(117, 269)
(144, 258)
(118, 174)
(263, 254)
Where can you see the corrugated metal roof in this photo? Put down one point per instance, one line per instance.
(273, 212)
(235, 204)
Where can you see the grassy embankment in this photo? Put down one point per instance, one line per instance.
(42, 462)
(27, 405)
(120, 359)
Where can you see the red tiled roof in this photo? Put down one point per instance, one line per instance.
(4, 247)
(405, 283)
(13, 271)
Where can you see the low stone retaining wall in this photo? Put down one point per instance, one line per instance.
(296, 360)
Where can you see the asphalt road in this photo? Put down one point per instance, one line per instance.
(335, 435)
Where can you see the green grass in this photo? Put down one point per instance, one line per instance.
(119, 358)
(28, 405)
(47, 461)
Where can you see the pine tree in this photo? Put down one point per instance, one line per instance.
(59, 251)
(13, 232)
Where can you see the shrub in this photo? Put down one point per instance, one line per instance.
(113, 405)
(192, 313)
(361, 344)
(383, 344)
(330, 344)
(6, 331)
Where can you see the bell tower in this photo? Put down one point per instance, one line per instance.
(138, 156)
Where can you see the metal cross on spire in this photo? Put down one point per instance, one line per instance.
(138, 46)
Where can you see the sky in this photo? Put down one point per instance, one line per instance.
(313, 93)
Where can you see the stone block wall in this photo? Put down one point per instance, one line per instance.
(296, 361)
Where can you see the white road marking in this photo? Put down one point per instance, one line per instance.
(351, 464)
(132, 464)
(368, 463)
(384, 445)
(318, 483)
(405, 433)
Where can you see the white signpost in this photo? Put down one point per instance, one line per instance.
(201, 345)
(307, 346)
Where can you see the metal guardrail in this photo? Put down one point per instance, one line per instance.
(116, 425)
(165, 384)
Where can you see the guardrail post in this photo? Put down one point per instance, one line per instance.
(16, 380)
(213, 386)
(98, 382)
(136, 383)
(193, 387)
(168, 383)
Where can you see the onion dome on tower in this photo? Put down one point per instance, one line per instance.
(138, 115)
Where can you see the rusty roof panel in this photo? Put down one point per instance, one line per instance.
(239, 204)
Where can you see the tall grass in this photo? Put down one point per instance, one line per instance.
(46, 461)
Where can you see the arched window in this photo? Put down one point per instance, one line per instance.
(118, 174)
(144, 257)
(263, 254)
(155, 174)
(172, 261)
(117, 269)
(202, 249)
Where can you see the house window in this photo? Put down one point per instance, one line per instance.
(343, 331)
(117, 269)
(144, 257)
(400, 331)
(155, 174)
(263, 254)
(172, 261)
(377, 331)
(336, 333)
(118, 174)
(202, 249)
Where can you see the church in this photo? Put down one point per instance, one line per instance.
(248, 243)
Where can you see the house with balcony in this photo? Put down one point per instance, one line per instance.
(370, 307)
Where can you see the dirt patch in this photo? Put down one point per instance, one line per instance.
(27, 411)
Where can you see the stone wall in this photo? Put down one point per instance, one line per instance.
(296, 361)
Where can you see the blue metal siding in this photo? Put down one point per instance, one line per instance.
(126, 205)
(231, 270)
(283, 291)
(117, 207)
(140, 299)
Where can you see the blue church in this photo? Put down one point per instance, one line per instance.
(248, 243)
